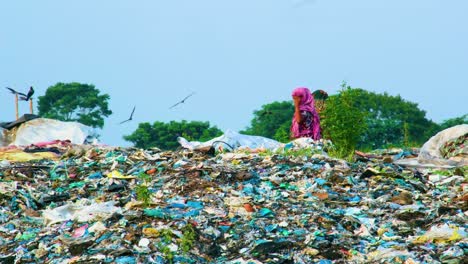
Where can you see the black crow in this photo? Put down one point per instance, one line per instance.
(28, 96)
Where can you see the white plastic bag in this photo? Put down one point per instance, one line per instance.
(442, 234)
(80, 213)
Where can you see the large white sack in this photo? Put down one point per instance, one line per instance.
(430, 151)
(44, 129)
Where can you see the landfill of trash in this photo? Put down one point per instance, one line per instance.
(69, 203)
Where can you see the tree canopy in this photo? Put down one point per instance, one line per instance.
(391, 120)
(453, 122)
(164, 135)
(272, 121)
(75, 102)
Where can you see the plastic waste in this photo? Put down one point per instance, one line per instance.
(237, 207)
(80, 213)
(442, 234)
(232, 140)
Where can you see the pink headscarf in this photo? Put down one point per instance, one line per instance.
(307, 103)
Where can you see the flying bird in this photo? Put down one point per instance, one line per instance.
(181, 101)
(15, 92)
(26, 97)
(131, 116)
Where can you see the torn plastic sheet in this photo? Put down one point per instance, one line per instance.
(44, 129)
(80, 213)
(232, 140)
(442, 234)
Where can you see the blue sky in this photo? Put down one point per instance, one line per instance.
(236, 55)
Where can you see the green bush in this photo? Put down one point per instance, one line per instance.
(343, 122)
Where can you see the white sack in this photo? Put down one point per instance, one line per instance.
(44, 130)
(430, 151)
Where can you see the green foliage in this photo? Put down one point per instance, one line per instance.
(164, 135)
(272, 121)
(406, 134)
(452, 122)
(460, 171)
(391, 121)
(188, 238)
(283, 133)
(341, 153)
(168, 255)
(142, 191)
(75, 102)
(166, 235)
(290, 152)
(300, 152)
(344, 121)
(166, 238)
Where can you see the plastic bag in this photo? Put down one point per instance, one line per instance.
(441, 234)
(95, 211)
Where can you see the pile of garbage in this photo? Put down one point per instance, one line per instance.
(90, 204)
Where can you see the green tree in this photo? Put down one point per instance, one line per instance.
(75, 102)
(453, 122)
(164, 135)
(272, 121)
(391, 120)
(343, 122)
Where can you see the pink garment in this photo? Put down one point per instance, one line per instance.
(307, 104)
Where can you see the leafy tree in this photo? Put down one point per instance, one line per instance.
(164, 135)
(391, 120)
(453, 122)
(272, 121)
(75, 102)
(343, 121)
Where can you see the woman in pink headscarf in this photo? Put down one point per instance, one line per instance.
(306, 121)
